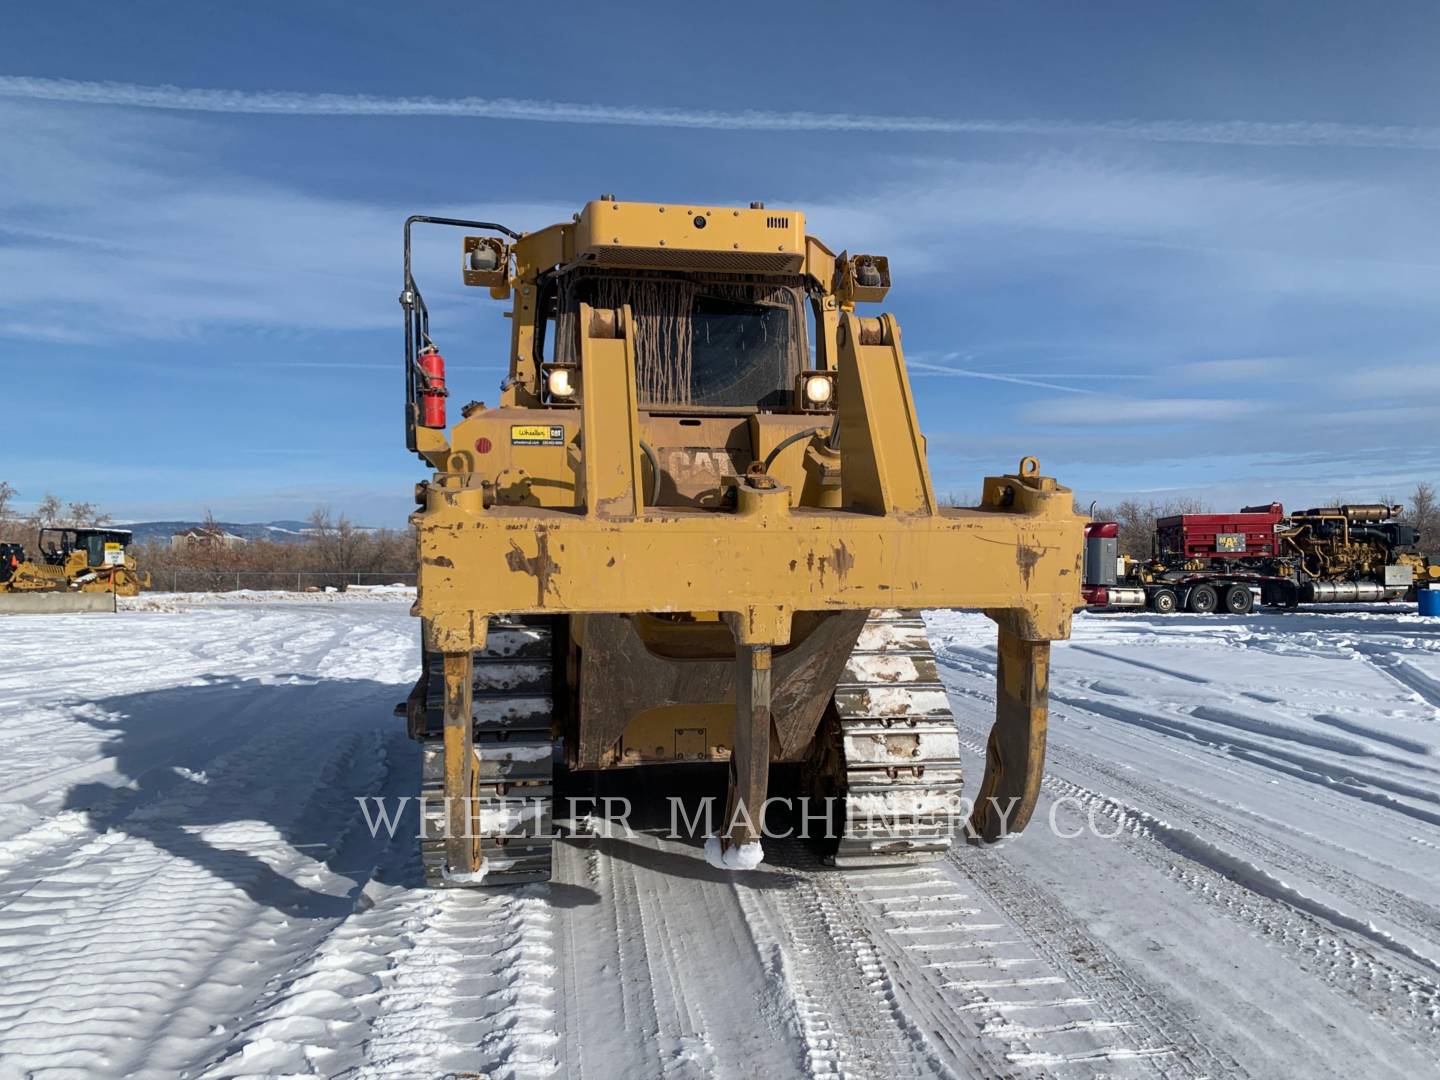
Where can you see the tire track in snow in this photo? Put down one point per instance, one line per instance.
(411, 979)
(1343, 782)
(823, 961)
(640, 1014)
(684, 1037)
(692, 994)
(470, 990)
(573, 1002)
(1340, 778)
(1249, 893)
(1144, 665)
(1409, 678)
(1349, 955)
(921, 998)
(1411, 913)
(1161, 1039)
(1311, 932)
(718, 974)
(1015, 987)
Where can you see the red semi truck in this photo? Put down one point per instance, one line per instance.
(1228, 562)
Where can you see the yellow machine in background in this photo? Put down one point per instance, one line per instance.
(698, 527)
(75, 560)
(1344, 549)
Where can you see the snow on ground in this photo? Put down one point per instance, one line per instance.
(188, 889)
(184, 601)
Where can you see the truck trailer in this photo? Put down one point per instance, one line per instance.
(1204, 563)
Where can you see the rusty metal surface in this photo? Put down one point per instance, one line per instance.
(768, 561)
(750, 763)
(461, 850)
(1015, 753)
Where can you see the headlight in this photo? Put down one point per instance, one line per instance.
(818, 389)
(484, 258)
(560, 384)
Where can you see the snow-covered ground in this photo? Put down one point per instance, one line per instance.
(187, 887)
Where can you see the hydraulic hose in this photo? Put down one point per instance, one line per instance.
(654, 472)
(654, 466)
(807, 433)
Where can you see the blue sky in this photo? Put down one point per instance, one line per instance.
(1168, 248)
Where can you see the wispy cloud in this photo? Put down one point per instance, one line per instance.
(920, 367)
(1126, 262)
(128, 230)
(1243, 369)
(290, 103)
(1133, 219)
(1142, 412)
(1396, 382)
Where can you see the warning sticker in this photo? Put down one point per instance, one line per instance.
(537, 434)
(114, 554)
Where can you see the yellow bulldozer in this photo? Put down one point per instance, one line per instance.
(72, 569)
(699, 527)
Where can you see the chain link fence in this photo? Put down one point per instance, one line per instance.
(273, 580)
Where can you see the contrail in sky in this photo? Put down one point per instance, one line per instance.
(286, 103)
(919, 367)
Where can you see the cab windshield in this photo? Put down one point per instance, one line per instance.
(716, 344)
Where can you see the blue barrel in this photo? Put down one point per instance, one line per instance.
(1429, 601)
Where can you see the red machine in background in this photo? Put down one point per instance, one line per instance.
(1250, 534)
(1226, 562)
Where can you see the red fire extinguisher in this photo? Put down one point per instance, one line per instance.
(432, 392)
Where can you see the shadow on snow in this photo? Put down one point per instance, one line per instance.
(250, 779)
(238, 775)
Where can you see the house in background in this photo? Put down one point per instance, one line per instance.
(202, 536)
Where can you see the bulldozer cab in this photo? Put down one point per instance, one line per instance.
(102, 547)
(704, 342)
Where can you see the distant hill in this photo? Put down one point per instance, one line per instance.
(263, 530)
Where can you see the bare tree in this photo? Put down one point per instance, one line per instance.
(1136, 521)
(337, 543)
(10, 528)
(83, 515)
(958, 498)
(47, 513)
(1424, 513)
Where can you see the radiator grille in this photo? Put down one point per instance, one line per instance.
(778, 222)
